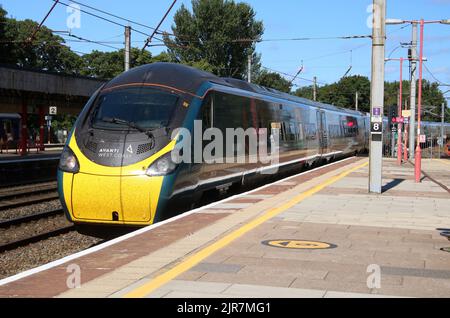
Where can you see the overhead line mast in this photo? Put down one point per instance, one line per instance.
(377, 96)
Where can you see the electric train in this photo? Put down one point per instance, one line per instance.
(117, 167)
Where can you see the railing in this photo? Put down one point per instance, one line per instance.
(430, 148)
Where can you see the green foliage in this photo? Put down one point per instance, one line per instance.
(4, 47)
(47, 51)
(110, 64)
(273, 80)
(342, 93)
(162, 57)
(206, 37)
(63, 122)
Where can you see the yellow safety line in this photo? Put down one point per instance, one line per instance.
(190, 262)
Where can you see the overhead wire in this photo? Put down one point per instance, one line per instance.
(113, 15)
(103, 18)
(36, 30)
(434, 77)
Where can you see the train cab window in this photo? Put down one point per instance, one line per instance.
(147, 107)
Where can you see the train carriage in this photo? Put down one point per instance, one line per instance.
(117, 167)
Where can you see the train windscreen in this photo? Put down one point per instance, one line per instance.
(145, 107)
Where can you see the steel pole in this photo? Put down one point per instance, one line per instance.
(399, 133)
(249, 68)
(405, 152)
(127, 47)
(412, 102)
(315, 88)
(442, 127)
(418, 158)
(377, 96)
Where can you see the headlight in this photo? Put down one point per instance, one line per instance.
(162, 166)
(68, 162)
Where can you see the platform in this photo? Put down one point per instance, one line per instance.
(15, 157)
(316, 234)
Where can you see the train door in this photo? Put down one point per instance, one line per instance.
(322, 131)
(204, 170)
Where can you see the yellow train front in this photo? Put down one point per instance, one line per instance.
(116, 168)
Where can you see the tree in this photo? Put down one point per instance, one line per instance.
(273, 80)
(5, 48)
(432, 98)
(46, 52)
(209, 36)
(110, 64)
(342, 93)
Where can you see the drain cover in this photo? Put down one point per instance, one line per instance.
(298, 244)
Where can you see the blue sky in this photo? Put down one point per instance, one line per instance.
(326, 59)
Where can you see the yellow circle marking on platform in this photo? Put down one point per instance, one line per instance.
(294, 244)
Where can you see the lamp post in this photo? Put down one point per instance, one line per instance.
(418, 151)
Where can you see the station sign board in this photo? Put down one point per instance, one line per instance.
(376, 115)
(422, 138)
(53, 110)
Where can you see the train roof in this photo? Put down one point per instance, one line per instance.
(180, 76)
(190, 79)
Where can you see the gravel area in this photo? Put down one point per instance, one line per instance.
(40, 253)
(29, 209)
(32, 228)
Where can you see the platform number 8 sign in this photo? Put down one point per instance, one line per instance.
(376, 127)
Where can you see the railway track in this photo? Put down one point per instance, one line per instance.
(27, 195)
(12, 226)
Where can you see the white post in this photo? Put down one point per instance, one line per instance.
(377, 96)
(412, 120)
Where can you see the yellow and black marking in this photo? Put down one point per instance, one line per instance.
(299, 244)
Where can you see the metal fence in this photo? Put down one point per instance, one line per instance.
(431, 148)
